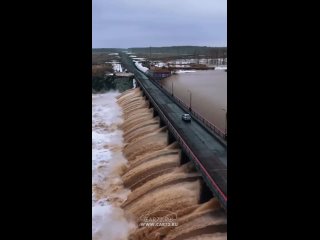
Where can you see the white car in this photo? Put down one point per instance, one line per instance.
(186, 117)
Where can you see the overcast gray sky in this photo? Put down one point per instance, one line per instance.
(144, 23)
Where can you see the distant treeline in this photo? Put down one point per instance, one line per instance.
(106, 50)
(214, 52)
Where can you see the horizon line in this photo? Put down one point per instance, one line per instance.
(158, 47)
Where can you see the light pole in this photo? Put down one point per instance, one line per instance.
(172, 88)
(190, 100)
(225, 124)
(226, 127)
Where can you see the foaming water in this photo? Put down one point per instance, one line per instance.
(162, 180)
(108, 222)
(159, 184)
(108, 163)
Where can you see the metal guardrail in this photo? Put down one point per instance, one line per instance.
(210, 125)
(212, 184)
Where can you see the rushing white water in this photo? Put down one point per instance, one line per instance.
(108, 221)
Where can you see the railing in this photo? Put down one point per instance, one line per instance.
(212, 184)
(195, 114)
(202, 119)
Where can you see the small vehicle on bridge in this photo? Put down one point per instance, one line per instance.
(186, 117)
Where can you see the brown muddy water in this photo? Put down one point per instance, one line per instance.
(140, 189)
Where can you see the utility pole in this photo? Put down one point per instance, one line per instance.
(225, 131)
(190, 100)
(225, 124)
(172, 89)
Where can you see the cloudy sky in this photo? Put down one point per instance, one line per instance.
(144, 23)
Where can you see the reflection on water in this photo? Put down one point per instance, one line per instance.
(206, 91)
